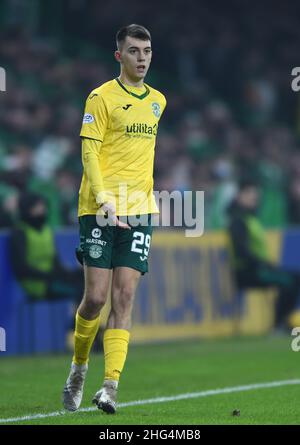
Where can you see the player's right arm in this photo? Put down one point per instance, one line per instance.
(90, 160)
(95, 123)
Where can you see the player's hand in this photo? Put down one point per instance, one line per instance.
(110, 210)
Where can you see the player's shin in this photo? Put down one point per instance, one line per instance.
(84, 336)
(115, 343)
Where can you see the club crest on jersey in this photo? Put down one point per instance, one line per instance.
(88, 118)
(156, 109)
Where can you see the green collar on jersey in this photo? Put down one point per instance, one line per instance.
(142, 96)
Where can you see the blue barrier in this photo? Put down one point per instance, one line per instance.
(290, 252)
(41, 327)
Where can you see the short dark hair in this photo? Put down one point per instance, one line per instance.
(247, 182)
(136, 31)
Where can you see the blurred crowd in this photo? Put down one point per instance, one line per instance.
(225, 69)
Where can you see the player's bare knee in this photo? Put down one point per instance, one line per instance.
(93, 302)
(89, 309)
(125, 292)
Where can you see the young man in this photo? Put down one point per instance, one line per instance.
(118, 139)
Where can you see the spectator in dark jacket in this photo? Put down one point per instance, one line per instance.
(250, 258)
(34, 257)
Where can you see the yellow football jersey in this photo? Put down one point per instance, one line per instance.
(124, 119)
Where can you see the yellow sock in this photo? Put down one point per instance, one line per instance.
(85, 333)
(115, 343)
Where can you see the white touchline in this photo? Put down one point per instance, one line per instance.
(192, 395)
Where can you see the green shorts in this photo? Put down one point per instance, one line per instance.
(108, 247)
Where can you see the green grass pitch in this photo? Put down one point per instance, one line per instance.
(33, 385)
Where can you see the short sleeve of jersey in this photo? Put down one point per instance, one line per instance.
(95, 119)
